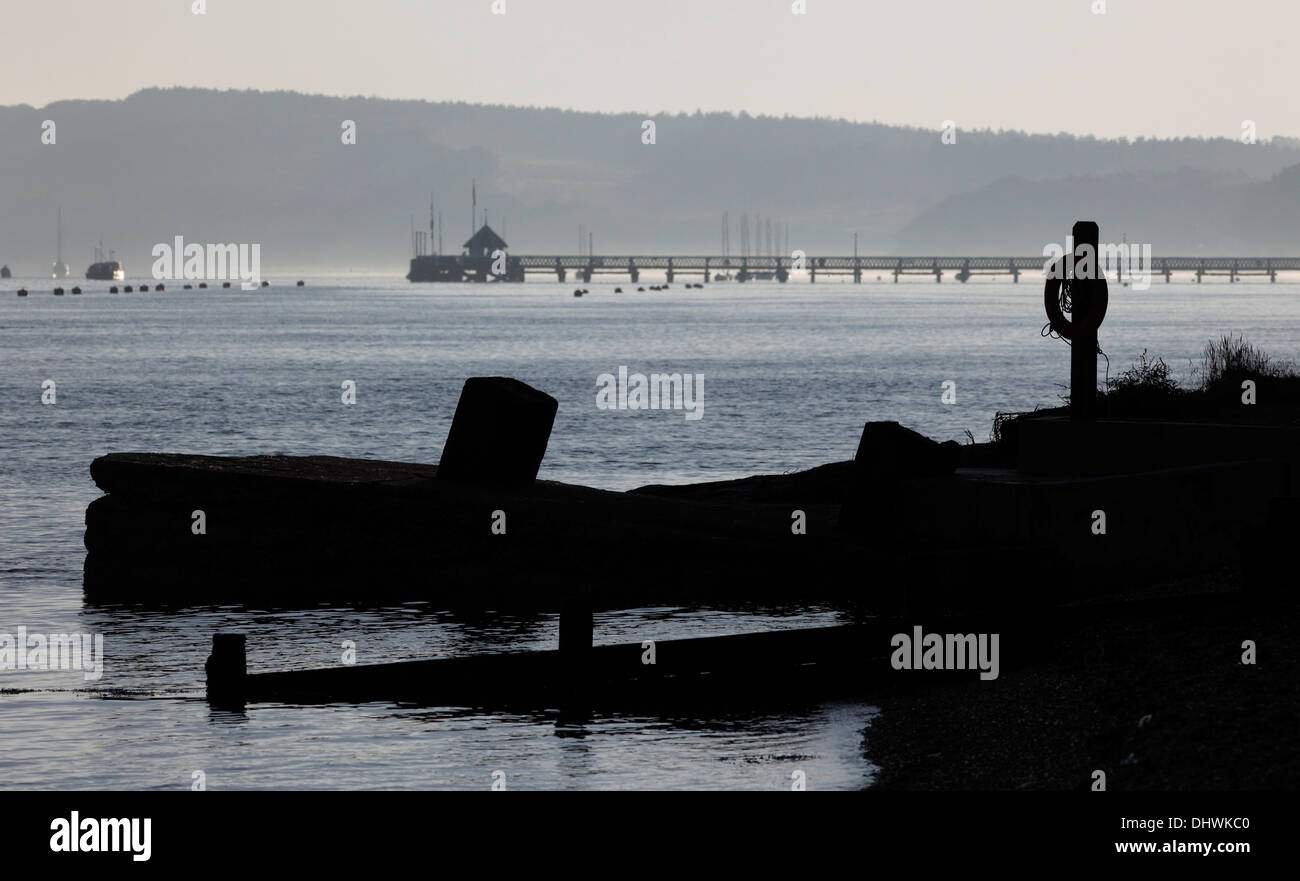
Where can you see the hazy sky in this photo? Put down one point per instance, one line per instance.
(1150, 67)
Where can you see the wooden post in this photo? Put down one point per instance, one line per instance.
(576, 628)
(1083, 348)
(227, 668)
(575, 655)
(499, 433)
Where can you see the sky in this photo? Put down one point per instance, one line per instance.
(1153, 68)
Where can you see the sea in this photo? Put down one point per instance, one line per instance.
(791, 372)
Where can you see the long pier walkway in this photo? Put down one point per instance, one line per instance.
(961, 268)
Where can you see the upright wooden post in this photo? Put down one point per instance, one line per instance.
(575, 671)
(576, 628)
(1083, 351)
(226, 669)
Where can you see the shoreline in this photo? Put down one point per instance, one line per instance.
(1158, 700)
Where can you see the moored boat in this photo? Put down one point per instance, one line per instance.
(105, 269)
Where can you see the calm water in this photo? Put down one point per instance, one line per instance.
(791, 373)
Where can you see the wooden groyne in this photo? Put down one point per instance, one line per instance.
(821, 660)
(307, 529)
(792, 665)
(939, 527)
(744, 670)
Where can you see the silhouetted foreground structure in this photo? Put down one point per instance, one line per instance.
(819, 660)
(907, 514)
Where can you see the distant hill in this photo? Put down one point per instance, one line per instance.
(1182, 213)
(269, 167)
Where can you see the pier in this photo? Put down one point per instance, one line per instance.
(742, 269)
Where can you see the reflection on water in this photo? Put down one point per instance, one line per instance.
(146, 725)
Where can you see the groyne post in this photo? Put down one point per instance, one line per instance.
(227, 668)
(576, 627)
(575, 673)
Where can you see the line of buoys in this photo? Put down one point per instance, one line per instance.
(127, 289)
(189, 287)
(76, 290)
(225, 284)
(159, 288)
(58, 292)
(22, 292)
(113, 289)
(203, 285)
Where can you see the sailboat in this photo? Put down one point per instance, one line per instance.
(59, 269)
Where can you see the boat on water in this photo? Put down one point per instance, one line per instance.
(59, 269)
(105, 270)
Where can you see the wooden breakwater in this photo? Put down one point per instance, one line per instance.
(871, 657)
(820, 660)
(305, 529)
(909, 524)
(790, 665)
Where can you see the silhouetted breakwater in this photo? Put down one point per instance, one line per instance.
(908, 524)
